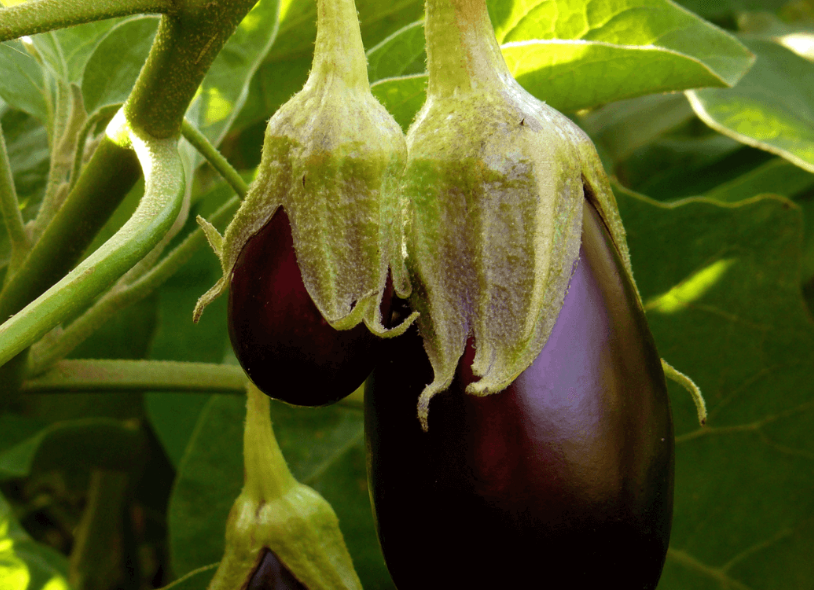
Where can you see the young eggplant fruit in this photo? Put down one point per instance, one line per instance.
(542, 455)
(308, 252)
(563, 480)
(280, 534)
(494, 187)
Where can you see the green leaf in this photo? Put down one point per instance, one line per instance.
(76, 444)
(723, 301)
(400, 54)
(324, 448)
(402, 97)
(174, 415)
(771, 108)
(24, 563)
(289, 61)
(78, 44)
(621, 128)
(226, 85)
(777, 176)
(573, 57)
(723, 8)
(22, 84)
(116, 61)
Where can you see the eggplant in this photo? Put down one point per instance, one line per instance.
(562, 480)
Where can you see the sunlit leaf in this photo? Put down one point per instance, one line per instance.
(116, 61)
(771, 108)
(22, 84)
(24, 563)
(744, 512)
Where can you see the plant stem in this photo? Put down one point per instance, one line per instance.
(105, 112)
(10, 207)
(124, 375)
(39, 16)
(184, 48)
(158, 210)
(338, 51)
(462, 52)
(267, 476)
(211, 154)
(69, 118)
(44, 354)
(165, 376)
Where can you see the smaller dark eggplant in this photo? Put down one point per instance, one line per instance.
(279, 336)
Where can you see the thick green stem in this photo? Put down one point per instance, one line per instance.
(105, 112)
(10, 207)
(69, 118)
(38, 16)
(211, 154)
(339, 52)
(185, 47)
(462, 52)
(44, 354)
(116, 375)
(170, 78)
(163, 198)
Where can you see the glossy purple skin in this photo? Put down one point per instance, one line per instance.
(279, 336)
(563, 480)
(273, 575)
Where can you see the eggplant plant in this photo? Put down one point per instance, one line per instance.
(509, 224)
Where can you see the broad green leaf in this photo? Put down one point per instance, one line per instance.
(677, 167)
(771, 108)
(29, 156)
(73, 445)
(777, 176)
(116, 61)
(402, 97)
(621, 128)
(226, 85)
(720, 283)
(174, 415)
(24, 563)
(401, 54)
(210, 477)
(22, 84)
(289, 61)
(324, 448)
(575, 55)
(728, 8)
(79, 42)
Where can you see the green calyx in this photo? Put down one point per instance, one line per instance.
(494, 185)
(275, 512)
(333, 159)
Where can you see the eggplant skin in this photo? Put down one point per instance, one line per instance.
(288, 350)
(563, 480)
(271, 574)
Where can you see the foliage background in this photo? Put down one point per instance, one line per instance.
(716, 190)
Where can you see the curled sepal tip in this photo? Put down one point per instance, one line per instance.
(495, 184)
(275, 513)
(684, 381)
(332, 159)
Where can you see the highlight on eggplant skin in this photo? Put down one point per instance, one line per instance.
(563, 480)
